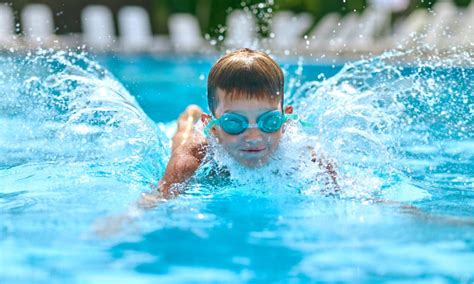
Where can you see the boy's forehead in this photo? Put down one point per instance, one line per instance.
(230, 97)
(244, 104)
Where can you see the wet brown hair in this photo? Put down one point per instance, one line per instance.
(245, 73)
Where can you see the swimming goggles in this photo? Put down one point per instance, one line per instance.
(235, 124)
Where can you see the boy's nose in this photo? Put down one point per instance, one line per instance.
(253, 134)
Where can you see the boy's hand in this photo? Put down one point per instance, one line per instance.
(188, 150)
(116, 225)
(186, 133)
(113, 226)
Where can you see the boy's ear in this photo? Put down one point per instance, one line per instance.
(205, 118)
(288, 110)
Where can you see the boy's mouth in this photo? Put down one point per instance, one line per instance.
(253, 150)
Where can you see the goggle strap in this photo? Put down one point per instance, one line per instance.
(291, 116)
(209, 126)
(307, 124)
(302, 122)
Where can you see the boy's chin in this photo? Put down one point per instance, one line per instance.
(253, 163)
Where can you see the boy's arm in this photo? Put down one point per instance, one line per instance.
(182, 165)
(187, 152)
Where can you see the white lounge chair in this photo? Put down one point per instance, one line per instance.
(241, 30)
(373, 24)
(98, 28)
(7, 27)
(453, 27)
(391, 5)
(185, 33)
(288, 29)
(134, 29)
(324, 30)
(407, 31)
(38, 24)
(345, 33)
(440, 24)
(136, 34)
(465, 32)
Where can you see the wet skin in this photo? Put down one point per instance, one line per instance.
(253, 147)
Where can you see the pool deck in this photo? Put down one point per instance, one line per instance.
(73, 43)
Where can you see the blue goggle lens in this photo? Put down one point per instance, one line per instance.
(232, 124)
(270, 122)
(235, 124)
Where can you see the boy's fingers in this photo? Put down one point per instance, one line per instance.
(192, 114)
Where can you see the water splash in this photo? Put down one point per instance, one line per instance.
(63, 108)
(75, 142)
(372, 118)
(375, 113)
(60, 108)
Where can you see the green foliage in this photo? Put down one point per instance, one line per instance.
(462, 3)
(212, 14)
(431, 3)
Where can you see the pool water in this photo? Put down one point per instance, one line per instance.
(79, 144)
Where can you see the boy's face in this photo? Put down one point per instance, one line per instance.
(253, 147)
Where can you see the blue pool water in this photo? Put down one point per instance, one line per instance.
(78, 145)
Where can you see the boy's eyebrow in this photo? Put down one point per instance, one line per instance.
(232, 111)
(243, 113)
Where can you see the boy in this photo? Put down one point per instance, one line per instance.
(245, 97)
